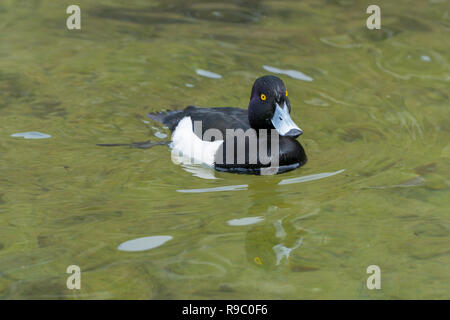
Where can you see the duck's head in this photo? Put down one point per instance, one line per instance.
(269, 107)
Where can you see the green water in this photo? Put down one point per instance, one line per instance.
(378, 107)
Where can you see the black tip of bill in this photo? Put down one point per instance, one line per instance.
(294, 133)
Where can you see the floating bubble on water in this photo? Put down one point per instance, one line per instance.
(245, 221)
(142, 244)
(291, 73)
(208, 74)
(31, 135)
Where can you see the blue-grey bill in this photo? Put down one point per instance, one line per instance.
(283, 123)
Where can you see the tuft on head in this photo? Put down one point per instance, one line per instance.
(270, 85)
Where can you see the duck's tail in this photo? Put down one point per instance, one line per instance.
(168, 118)
(158, 116)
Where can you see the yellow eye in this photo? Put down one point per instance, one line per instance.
(286, 93)
(263, 97)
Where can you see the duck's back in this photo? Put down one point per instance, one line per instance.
(210, 118)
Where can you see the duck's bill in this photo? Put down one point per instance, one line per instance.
(283, 123)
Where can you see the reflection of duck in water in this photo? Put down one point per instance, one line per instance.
(268, 245)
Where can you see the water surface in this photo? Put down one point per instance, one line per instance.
(374, 103)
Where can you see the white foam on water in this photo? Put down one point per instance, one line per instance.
(291, 73)
(245, 221)
(31, 135)
(142, 244)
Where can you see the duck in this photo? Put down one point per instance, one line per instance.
(261, 139)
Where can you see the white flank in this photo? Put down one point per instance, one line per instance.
(193, 149)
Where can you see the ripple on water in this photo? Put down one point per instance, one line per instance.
(142, 244)
(200, 171)
(197, 170)
(183, 12)
(291, 73)
(404, 62)
(242, 187)
(216, 189)
(356, 38)
(317, 102)
(343, 41)
(245, 221)
(160, 135)
(227, 13)
(31, 135)
(382, 34)
(310, 177)
(208, 74)
(194, 269)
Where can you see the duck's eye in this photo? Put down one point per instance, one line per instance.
(286, 93)
(263, 97)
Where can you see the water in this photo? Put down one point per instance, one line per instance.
(377, 107)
